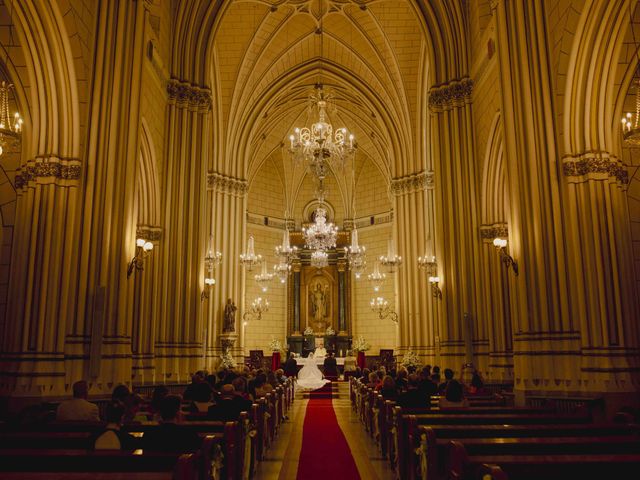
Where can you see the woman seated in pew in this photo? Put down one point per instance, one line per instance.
(240, 384)
(229, 405)
(111, 438)
(454, 396)
(413, 397)
(476, 387)
(262, 387)
(201, 395)
(374, 381)
(388, 389)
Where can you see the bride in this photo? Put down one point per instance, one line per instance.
(310, 376)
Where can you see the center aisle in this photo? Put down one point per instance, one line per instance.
(325, 453)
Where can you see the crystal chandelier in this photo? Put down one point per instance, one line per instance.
(381, 307)
(320, 235)
(428, 264)
(282, 270)
(319, 143)
(10, 127)
(355, 255)
(250, 259)
(376, 278)
(631, 122)
(286, 252)
(391, 260)
(264, 277)
(319, 258)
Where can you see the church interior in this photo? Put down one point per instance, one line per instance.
(233, 229)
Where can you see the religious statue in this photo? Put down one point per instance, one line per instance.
(319, 302)
(229, 317)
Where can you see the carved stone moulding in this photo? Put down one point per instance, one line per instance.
(184, 94)
(49, 169)
(412, 183)
(489, 232)
(148, 232)
(594, 165)
(451, 94)
(225, 184)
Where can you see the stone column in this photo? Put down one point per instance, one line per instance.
(227, 198)
(179, 339)
(546, 331)
(412, 219)
(457, 248)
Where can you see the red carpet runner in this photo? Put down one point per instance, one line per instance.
(325, 453)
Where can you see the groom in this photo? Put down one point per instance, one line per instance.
(330, 368)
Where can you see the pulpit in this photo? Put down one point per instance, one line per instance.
(275, 361)
(361, 361)
(255, 358)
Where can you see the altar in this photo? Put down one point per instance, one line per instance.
(320, 361)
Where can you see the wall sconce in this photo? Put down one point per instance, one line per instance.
(209, 282)
(435, 289)
(258, 307)
(501, 246)
(381, 307)
(143, 248)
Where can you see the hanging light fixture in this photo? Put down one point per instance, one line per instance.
(286, 252)
(320, 235)
(319, 258)
(10, 126)
(391, 260)
(282, 270)
(376, 277)
(258, 307)
(250, 259)
(381, 307)
(355, 255)
(264, 277)
(631, 122)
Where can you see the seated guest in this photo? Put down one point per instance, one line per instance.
(373, 380)
(412, 397)
(280, 377)
(357, 372)
(388, 388)
(272, 380)
(121, 394)
(291, 366)
(169, 436)
(132, 409)
(448, 376)
(477, 385)
(240, 386)
(330, 369)
(454, 396)
(426, 386)
(158, 394)
(401, 379)
(229, 405)
(261, 386)
(78, 409)
(202, 394)
(111, 438)
(435, 372)
(189, 391)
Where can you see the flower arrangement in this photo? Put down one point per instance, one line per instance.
(330, 331)
(275, 345)
(411, 360)
(360, 345)
(226, 360)
(308, 331)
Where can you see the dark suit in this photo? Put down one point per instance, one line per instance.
(228, 409)
(170, 437)
(291, 367)
(413, 398)
(330, 367)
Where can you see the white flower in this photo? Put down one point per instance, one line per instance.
(411, 360)
(275, 345)
(227, 361)
(360, 345)
(330, 331)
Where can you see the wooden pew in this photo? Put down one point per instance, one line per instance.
(546, 466)
(431, 448)
(125, 464)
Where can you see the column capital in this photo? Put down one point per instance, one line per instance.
(187, 95)
(149, 232)
(49, 169)
(594, 165)
(226, 184)
(489, 232)
(412, 183)
(454, 93)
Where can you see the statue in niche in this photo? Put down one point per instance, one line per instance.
(229, 317)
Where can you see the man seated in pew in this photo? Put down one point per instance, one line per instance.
(78, 409)
(111, 438)
(201, 398)
(170, 436)
(229, 405)
(448, 376)
(476, 386)
(454, 396)
(427, 387)
(240, 384)
(413, 397)
(280, 376)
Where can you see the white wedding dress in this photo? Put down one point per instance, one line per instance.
(310, 376)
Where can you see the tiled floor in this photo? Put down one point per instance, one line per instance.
(281, 461)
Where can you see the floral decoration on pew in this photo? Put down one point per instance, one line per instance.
(275, 345)
(360, 345)
(411, 360)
